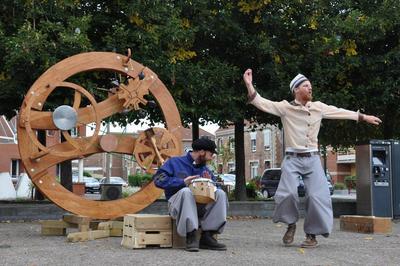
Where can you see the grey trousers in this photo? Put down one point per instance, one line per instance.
(183, 208)
(318, 204)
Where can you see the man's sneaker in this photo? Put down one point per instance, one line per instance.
(207, 241)
(310, 242)
(326, 235)
(289, 235)
(192, 244)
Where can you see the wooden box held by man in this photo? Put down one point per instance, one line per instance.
(301, 120)
(175, 177)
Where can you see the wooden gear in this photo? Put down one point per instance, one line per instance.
(38, 158)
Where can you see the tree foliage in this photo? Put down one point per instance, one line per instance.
(349, 50)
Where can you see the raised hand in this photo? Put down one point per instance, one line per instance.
(248, 77)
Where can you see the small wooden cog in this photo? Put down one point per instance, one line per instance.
(133, 93)
(146, 156)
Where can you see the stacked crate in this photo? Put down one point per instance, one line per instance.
(145, 230)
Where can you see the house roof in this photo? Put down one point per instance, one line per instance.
(186, 133)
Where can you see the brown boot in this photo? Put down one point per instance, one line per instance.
(310, 242)
(289, 235)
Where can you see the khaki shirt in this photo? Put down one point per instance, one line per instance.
(301, 123)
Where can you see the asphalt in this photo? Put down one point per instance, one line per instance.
(249, 242)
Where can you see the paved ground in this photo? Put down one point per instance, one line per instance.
(250, 242)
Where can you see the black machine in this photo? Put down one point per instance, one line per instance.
(374, 178)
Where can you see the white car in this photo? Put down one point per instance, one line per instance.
(91, 184)
(115, 180)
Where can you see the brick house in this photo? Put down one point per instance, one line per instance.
(10, 157)
(262, 145)
(341, 164)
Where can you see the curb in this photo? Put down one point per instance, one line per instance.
(31, 211)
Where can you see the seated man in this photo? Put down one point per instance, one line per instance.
(174, 177)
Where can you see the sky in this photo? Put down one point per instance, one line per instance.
(210, 127)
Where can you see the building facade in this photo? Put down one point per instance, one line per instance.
(262, 145)
(341, 164)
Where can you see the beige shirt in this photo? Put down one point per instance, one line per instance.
(301, 123)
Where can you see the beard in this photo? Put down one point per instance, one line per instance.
(201, 161)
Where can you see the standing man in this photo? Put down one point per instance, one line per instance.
(174, 177)
(301, 120)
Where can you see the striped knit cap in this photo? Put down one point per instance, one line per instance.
(297, 81)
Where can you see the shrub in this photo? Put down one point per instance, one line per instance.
(251, 189)
(339, 186)
(350, 181)
(87, 174)
(139, 180)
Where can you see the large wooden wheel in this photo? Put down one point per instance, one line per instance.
(38, 158)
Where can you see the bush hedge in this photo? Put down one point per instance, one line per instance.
(139, 180)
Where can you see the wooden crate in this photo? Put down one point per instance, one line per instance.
(365, 224)
(53, 227)
(144, 230)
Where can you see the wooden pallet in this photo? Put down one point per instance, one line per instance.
(146, 230)
(88, 229)
(365, 224)
(58, 227)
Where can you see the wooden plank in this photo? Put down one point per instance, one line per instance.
(147, 222)
(115, 227)
(365, 224)
(46, 231)
(162, 239)
(88, 235)
(104, 226)
(54, 224)
(143, 239)
(76, 219)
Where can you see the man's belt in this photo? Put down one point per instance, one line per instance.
(302, 154)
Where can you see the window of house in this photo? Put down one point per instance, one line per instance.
(74, 132)
(15, 167)
(231, 143)
(267, 164)
(231, 167)
(253, 141)
(267, 138)
(187, 148)
(219, 143)
(253, 169)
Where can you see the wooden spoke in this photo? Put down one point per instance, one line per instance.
(77, 100)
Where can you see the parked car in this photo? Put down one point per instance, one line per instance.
(91, 184)
(115, 180)
(270, 181)
(330, 186)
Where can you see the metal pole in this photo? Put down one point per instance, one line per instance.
(108, 160)
(80, 169)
